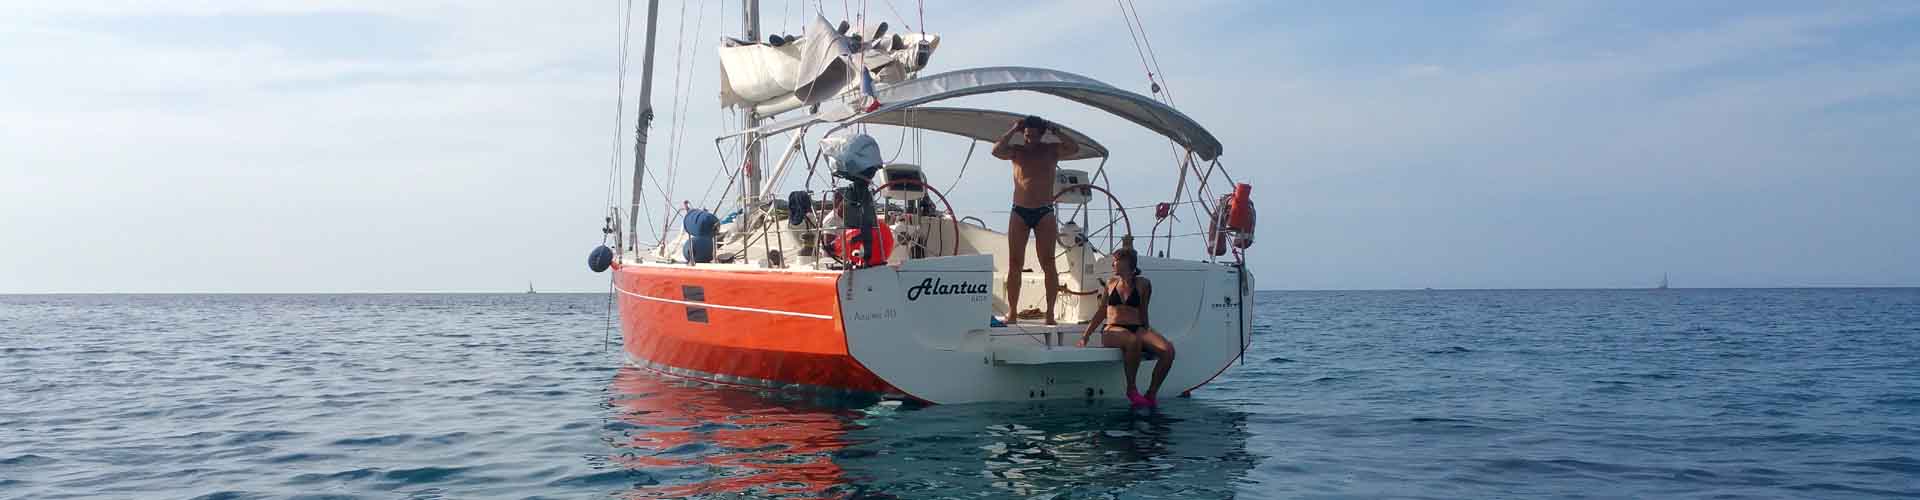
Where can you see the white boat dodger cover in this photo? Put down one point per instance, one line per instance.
(924, 327)
(819, 65)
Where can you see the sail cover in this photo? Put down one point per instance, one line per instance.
(1141, 110)
(978, 124)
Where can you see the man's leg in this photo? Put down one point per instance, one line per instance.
(1016, 261)
(1046, 235)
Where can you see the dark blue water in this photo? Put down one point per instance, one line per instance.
(1447, 394)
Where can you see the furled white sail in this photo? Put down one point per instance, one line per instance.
(814, 67)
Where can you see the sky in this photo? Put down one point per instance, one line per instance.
(400, 145)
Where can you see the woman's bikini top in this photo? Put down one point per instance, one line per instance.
(1133, 295)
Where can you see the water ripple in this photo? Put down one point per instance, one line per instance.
(1469, 394)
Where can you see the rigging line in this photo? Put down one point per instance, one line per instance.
(679, 73)
(678, 136)
(1132, 17)
(1178, 190)
(1137, 50)
(726, 119)
(619, 107)
(732, 177)
(799, 21)
(656, 183)
(896, 13)
(784, 16)
(1150, 55)
(692, 70)
(1202, 195)
(900, 146)
(666, 221)
(648, 210)
(726, 167)
(721, 153)
(963, 166)
(707, 193)
(680, 131)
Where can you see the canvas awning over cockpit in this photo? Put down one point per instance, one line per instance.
(978, 124)
(1139, 109)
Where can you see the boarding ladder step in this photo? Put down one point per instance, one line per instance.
(1049, 355)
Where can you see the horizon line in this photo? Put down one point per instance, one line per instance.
(579, 292)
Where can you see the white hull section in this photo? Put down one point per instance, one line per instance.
(924, 329)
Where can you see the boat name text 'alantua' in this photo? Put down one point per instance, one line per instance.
(933, 286)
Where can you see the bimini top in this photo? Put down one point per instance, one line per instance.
(1139, 109)
(977, 124)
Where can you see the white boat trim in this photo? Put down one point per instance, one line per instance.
(726, 307)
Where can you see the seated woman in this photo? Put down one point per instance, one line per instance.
(1123, 324)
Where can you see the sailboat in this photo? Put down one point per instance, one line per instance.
(530, 288)
(1663, 282)
(876, 284)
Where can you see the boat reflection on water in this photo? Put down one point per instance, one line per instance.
(699, 440)
(702, 441)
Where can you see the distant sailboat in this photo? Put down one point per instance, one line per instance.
(1663, 283)
(530, 288)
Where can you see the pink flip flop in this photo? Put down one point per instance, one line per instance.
(1134, 397)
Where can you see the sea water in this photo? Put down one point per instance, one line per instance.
(1414, 394)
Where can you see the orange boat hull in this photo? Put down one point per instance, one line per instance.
(733, 326)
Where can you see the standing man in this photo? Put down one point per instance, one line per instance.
(1033, 166)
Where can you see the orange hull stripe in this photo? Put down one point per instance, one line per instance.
(730, 308)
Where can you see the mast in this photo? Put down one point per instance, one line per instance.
(750, 31)
(640, 129)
